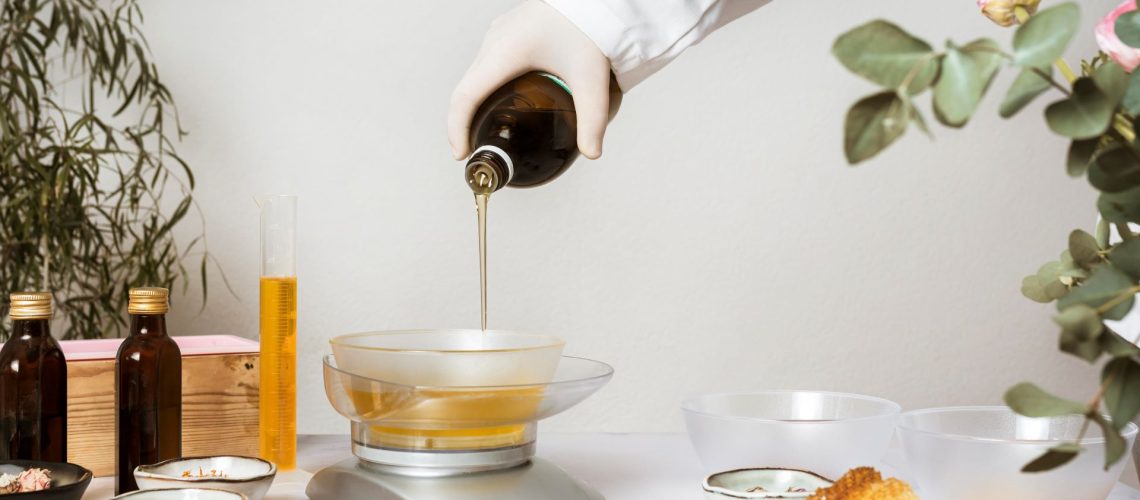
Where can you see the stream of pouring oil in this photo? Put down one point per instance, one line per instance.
(481, 213)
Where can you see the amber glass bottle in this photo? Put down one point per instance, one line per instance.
(526, 133)
(148, 389)
(33, 384)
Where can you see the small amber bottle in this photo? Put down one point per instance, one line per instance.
(33, 384)
(148, 389)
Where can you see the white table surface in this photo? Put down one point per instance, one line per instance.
(620, 466)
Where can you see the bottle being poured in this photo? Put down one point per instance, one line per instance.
(524, 135)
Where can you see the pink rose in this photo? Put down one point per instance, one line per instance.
(1001, 11)
(1125, 56)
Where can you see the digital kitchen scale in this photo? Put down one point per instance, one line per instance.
(428, 442)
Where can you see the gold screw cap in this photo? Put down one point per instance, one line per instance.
(30, 305)
(148, 300)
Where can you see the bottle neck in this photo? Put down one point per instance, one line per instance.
(149, 325)
(488, 170)
(30, 328)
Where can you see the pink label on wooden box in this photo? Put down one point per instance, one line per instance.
(194, 345)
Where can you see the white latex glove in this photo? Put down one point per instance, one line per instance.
(535, 37)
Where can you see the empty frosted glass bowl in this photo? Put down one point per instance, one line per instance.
(449, 358)
(822, 432)
(977, 452)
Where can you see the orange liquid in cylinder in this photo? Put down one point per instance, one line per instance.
(278, 400)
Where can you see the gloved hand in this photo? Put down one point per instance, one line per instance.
(535, 37)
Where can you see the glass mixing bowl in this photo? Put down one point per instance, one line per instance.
(452, 358)
(977, 452)
(442, 412)
(822, 432)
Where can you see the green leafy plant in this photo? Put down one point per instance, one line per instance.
(1097, 108)
(90, 184)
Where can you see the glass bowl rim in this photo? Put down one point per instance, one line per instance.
(1129, 430)
(557, 341)
(893, 408)
(608, 371)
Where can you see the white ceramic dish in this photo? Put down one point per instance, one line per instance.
(245, 475)
(763, 483)
(182, 494)
(823, 432)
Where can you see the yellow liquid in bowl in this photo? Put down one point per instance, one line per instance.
(452, 419)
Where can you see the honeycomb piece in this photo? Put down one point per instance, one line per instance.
(865, 483)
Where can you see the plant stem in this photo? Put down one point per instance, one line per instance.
(1117, 300)
(918, 65)
(1123, 126)
(1023, 17)
(1094, 406)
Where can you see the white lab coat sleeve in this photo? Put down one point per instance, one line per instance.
(642, 36)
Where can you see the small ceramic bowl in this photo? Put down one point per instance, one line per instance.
(246, 475)
(68, 481)
(763, 483)
(182, 494)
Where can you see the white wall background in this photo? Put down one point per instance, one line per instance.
(721, 243)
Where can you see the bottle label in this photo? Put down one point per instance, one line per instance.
(558, 81)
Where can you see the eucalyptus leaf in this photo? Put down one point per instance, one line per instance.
(1116, 346)
(1120, 207)
(1028, 85)
(1114, 444)
(1044, 37)
(966, 73)
(1031, 401)
(1083, 249)
(1053, 457)
(885, 54)
(1111, 79)
(1126, 257)
(1087, 350)
(872, 124)
(1085, 114)
(1122, 397)
(1079, 323)
(1127, 28)
(1080, 154)
(1106, 284)
(1115, 168)
(1033, 288)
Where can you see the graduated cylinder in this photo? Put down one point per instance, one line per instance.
(278, 328)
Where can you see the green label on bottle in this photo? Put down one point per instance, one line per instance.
(557, 80)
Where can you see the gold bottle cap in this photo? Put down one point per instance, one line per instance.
(30, 305)
(148, 300)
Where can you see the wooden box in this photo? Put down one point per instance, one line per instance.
(219, 398)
